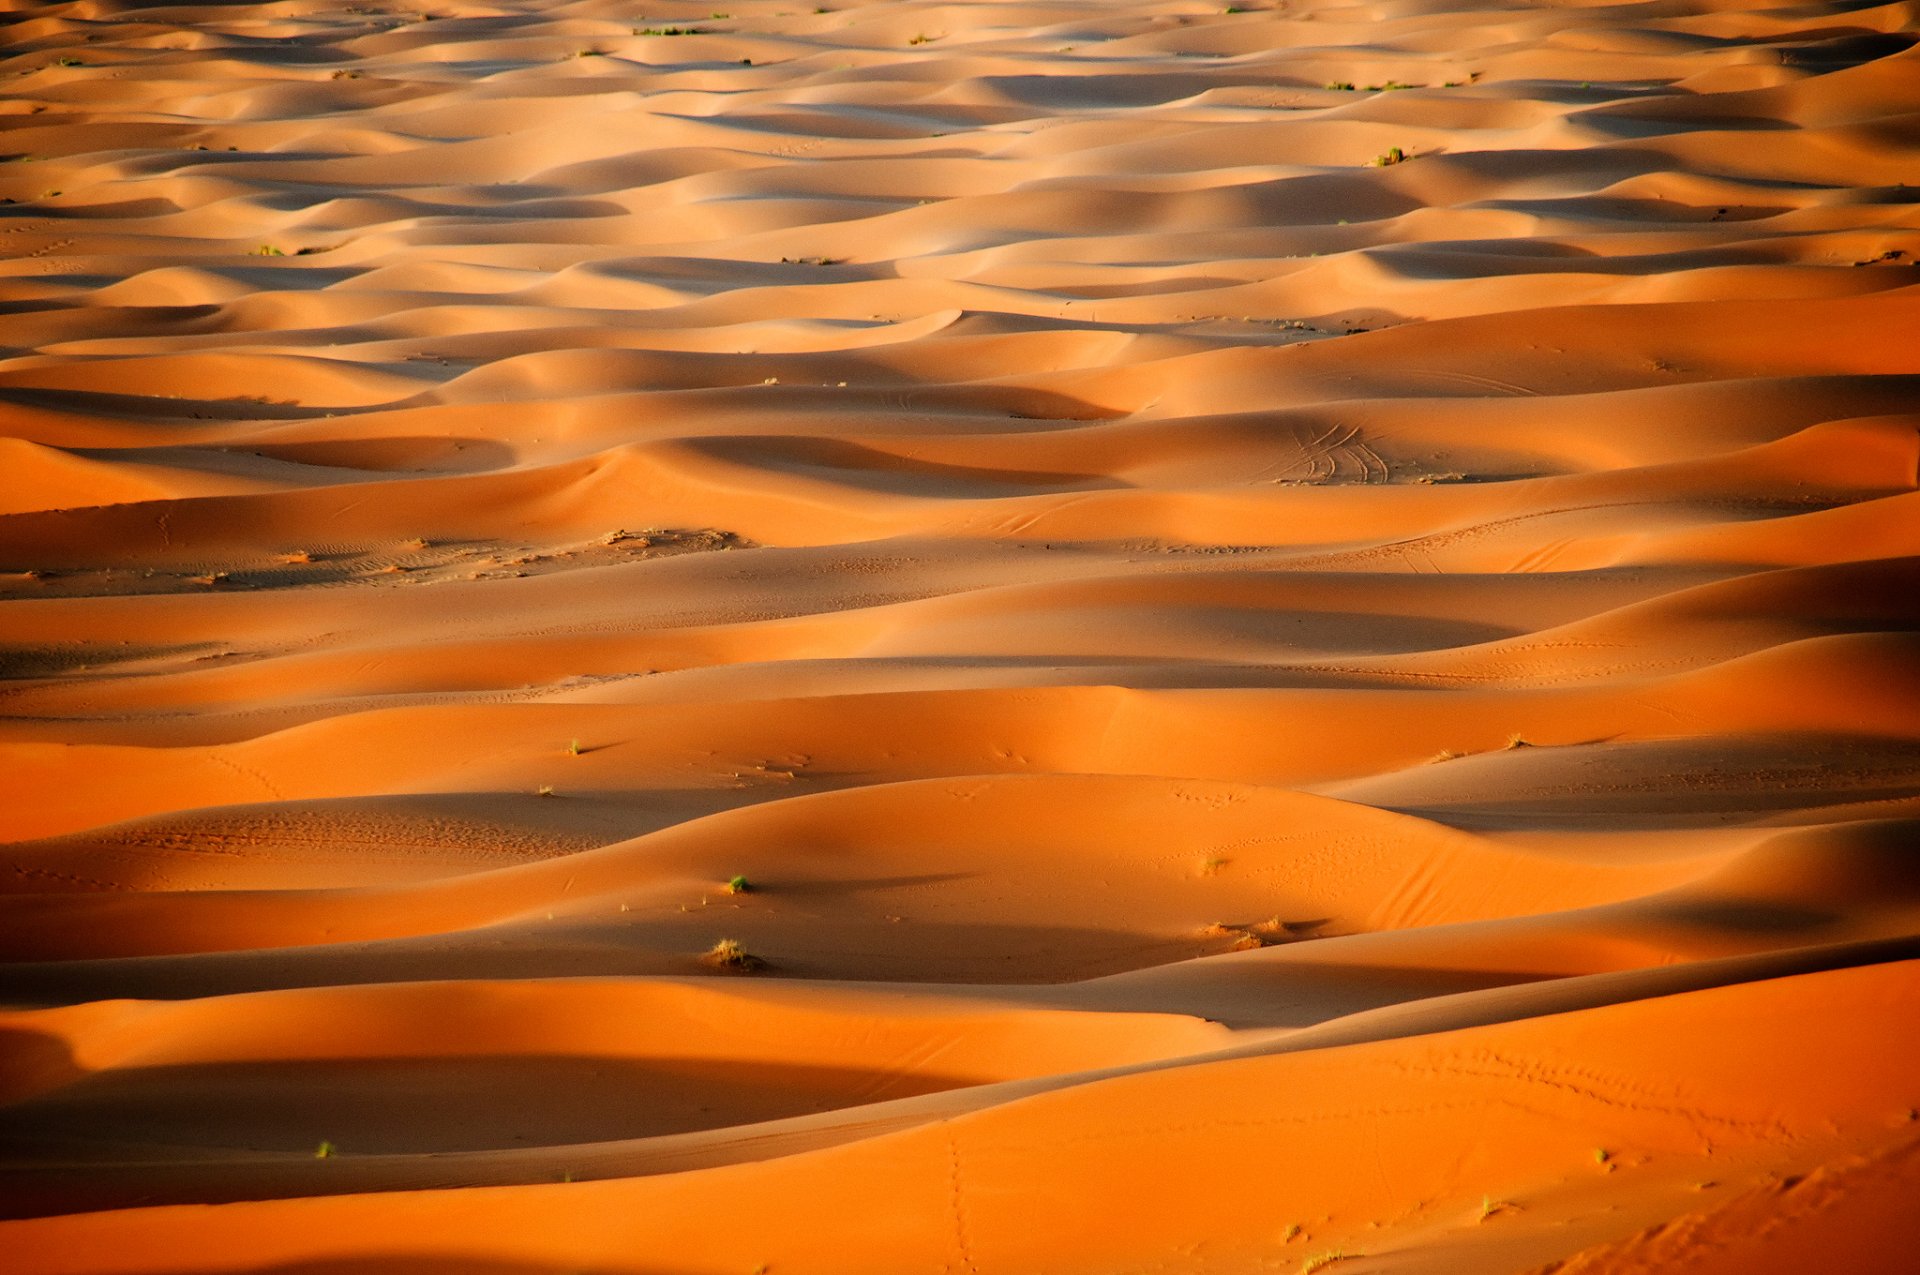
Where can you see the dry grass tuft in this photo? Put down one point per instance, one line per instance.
(729, 955)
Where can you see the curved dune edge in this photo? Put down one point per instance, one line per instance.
(1401, 1146)
(981, 638)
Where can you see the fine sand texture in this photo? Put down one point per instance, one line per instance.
(959, 638)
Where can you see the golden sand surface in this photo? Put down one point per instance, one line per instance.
(996, 638)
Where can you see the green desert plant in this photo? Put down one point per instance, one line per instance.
(739, 885)
(1393, 156)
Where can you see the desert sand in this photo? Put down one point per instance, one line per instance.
(1071, 636)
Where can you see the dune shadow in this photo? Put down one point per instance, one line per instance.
(1845, 47)
(1651, 784)
(861, 946)
(1277, 989)
(393, 454)
(1742, 916)
(145, 407)
(33, 1062)
(402, 1106)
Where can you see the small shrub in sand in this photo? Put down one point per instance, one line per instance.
(728, 955)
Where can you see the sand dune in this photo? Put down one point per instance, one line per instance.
(1034, 636)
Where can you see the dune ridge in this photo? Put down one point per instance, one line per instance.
(985, 638)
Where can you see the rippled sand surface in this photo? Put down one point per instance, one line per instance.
(959, 637)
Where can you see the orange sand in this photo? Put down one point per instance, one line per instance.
(1303, 617)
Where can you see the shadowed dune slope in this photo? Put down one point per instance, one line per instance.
(981, 637)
